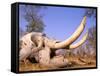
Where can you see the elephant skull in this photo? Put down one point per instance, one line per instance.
(36, 44)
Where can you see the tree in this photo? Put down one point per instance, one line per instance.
(34, 18)
(92, 37)
(91, 41)
(90, 12)
(89, 47)
(90, 44)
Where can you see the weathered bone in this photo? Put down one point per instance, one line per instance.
(28, 45)
(56, 61)
(39, 46)
(73, 46)
(73, 37)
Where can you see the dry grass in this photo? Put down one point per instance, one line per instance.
(76, 62)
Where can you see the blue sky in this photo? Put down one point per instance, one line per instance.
(60, 22)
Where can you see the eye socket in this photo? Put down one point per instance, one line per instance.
(32, 45)
(25, 43)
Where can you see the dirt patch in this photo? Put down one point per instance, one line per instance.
(76, 62)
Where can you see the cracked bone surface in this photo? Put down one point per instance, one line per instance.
(56, 61)
(39, 46)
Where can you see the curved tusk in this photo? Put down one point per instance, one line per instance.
(72, 46)
(74, 36)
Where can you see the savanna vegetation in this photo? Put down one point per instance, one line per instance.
(83, 56)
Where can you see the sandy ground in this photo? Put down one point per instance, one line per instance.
(76, 62)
